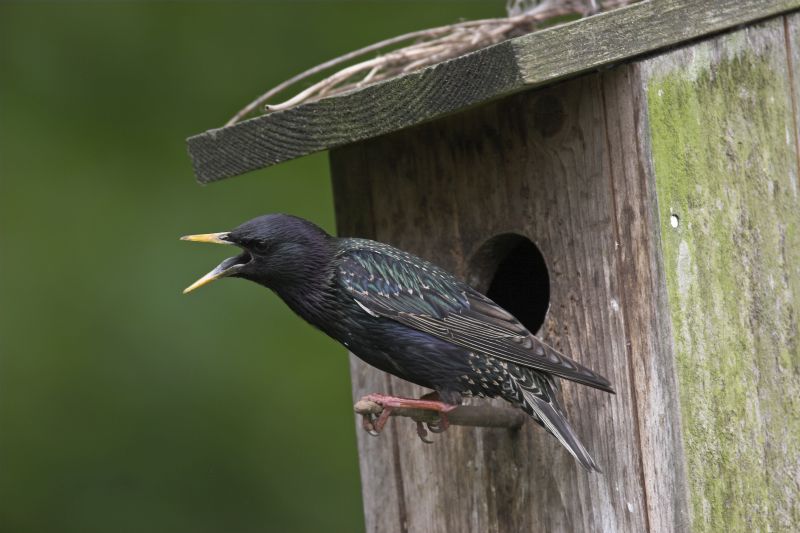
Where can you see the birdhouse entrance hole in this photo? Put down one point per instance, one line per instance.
(510, 269)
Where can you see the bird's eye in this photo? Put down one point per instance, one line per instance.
(261, 247)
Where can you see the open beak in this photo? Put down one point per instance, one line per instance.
(226, 268)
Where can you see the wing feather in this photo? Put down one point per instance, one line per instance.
(397, 285)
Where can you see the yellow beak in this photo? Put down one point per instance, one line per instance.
(205, 280)
(225, 268)
(214, 238)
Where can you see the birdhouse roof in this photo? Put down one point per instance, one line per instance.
(532, 60)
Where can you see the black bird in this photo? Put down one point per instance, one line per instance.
(405, 316)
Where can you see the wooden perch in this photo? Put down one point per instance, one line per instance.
(463, 415)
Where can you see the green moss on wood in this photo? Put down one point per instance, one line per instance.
(726, 167)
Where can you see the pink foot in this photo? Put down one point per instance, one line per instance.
(374, 425)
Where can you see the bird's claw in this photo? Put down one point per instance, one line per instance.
(440, 425)
(368, 423)
(374, 423)
(422, 433)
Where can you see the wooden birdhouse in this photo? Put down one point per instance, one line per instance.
(627, 185)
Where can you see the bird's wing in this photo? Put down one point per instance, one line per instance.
(397, 285)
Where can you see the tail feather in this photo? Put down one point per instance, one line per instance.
(540, 401)
(558, 426)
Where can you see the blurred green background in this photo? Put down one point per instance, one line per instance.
(127, 407)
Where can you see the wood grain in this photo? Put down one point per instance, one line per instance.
(443, 88)
(536, 164)
(792, 33)
(454, 85)
(381, 482)
(723, 135)
(643, 288)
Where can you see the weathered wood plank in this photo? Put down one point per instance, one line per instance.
(643, 290)
(508, 67)
(725, 158)
(442, 190)
(550, 181)
(381, 482)
(339, 120)
(626, 33)
(792, 32)
(411, 212)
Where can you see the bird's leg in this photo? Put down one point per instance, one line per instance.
(441, 425)
(388, 403)
(409, 403)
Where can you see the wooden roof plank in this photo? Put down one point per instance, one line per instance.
(512, 66)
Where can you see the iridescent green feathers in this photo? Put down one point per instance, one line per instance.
(402, 283)
(390, 283)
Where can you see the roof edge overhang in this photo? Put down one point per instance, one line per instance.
(525, 62)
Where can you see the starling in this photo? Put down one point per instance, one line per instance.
(405, 316)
